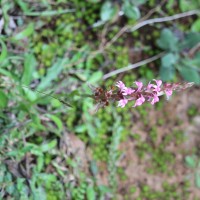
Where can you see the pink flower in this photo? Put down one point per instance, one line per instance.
(149, 86)
(153, 87)
(158, 83)
(122, 103)
(139, 85)
(168, 88)
(139, 101)
(168, 92)
(120, 85)
(155, 99)
(127, 91)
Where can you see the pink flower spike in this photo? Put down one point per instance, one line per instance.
(120, 85)
(168, 92)
(122, 103)
(168, 88)
(155, 99)
(127, 91)
(157, 86)
(139, 101)
(139, 85)
(149, 86)
(158, 82)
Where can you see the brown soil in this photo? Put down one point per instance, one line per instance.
(174, 110)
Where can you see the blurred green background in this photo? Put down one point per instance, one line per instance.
(50, 51)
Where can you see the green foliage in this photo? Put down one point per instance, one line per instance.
(4, 99)
(51, 51)
(130, 10)
(113, 154)
(186, 5)
(190, 161)
(108, 11)
(168, 41)
(3, 51)
(193, 162)
(196, 26)
(28, 31)
(173, 60)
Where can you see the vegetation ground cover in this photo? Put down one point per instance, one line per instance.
(52, 143)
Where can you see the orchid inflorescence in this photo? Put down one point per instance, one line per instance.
(137, 94)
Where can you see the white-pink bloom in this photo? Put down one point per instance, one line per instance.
(168, 92)
(157, 86)
(122, 103)
(155, 99)
(158, 82)
(139, 101)
(120, 85)
(127, 91)
(139, 85)
(168, 89)
(154, 88)
(150, 86)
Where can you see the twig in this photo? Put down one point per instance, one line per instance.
(164, 19)
(152, 11)
(48, 13)
(144, 23)
(133, 66)
(194, 50)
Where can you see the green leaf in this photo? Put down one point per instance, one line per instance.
(170, 4)
(196, 26)
(49, 12)
(95, 77)
(7, 73)
(80, 128)
(94, 167)
(167, 73)
(197, 179)
(137, 2)
(57, 121)
(22, 5)
(190, 40)
(169, 59)
(25, 33)
(40, 163)
(55, 103)
(20, 184)
(131, 11)
(47, 177)
(26, 149)
(3, 99)
(3, 51)
(31, 95)
(108, 11)
(39, 193)
(59, 169)
(52, 74)
(90, 193)
(48, 146)
(194, 62)
(29, 67)
(167, 40)
(186, 5)
(190, 161)
(190, 74)
(36, 122)
(91, 130)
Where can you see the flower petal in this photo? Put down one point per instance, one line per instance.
(139, 85)
(122, 103)
(139, 101)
